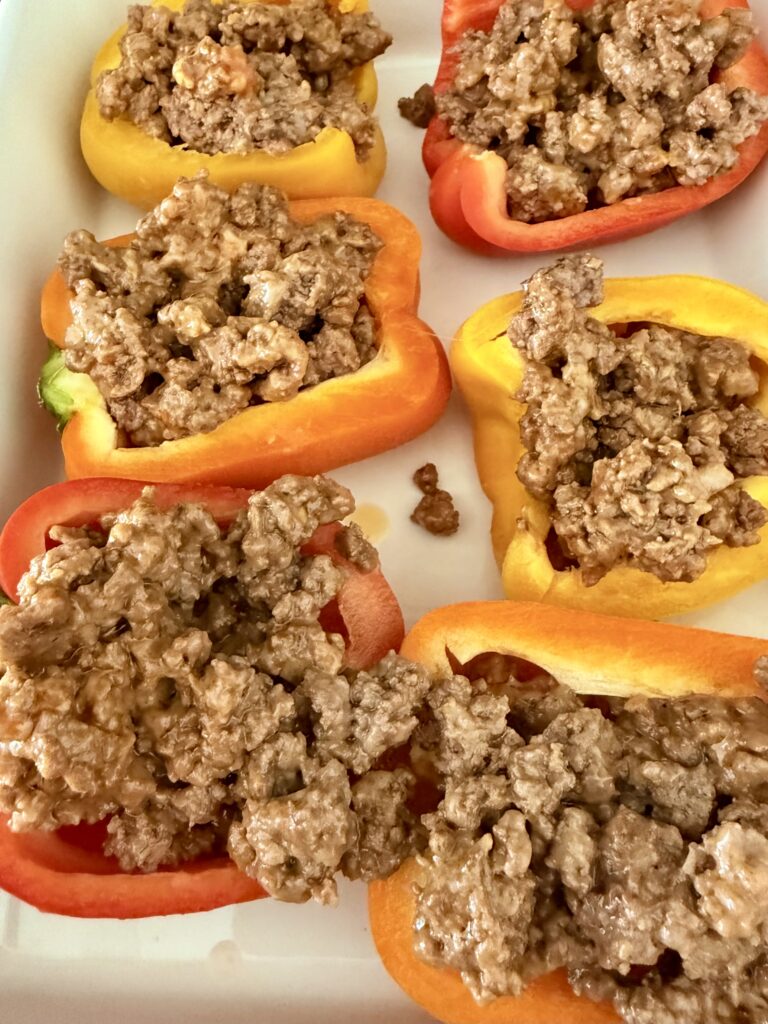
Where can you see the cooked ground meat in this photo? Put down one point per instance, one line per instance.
(590, 107)
(219, 302)
(625, 840)
(234, 77)
(637, 444)
(173, 676)
(435, 511)
(420, 108)
(353, 545)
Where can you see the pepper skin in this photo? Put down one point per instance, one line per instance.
(65, 872)
(142, 170)
(391, 400)
(593, 654)
(467, 194)
(489, 371)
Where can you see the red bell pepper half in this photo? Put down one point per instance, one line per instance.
(65, 872)
(468, 197)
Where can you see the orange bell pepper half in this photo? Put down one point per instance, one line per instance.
(65, 872)
(468, 197)
(389, 401)
(141, 169)
(489, 371)
(593, 654)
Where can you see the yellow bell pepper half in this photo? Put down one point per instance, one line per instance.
(143, 170)
(489, 371)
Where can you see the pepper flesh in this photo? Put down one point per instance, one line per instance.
(65, 872)
(468, 197)
(389, 401)
(142, 170)
(594, 654)
(489, 371)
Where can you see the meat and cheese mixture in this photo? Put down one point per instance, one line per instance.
(220, 302)
(435, 511)
(235, 77)
(590, 107)
(623, 839)
(637, 444)
(174, 675)
(420, 108)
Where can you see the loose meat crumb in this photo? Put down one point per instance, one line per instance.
(593, 106)
(420, 108)
(236, 77)
(436, 511)
(173, 675)
(637, 445)
(625, 843)
(220, 302)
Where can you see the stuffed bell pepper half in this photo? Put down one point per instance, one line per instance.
(598, 848)
(621, 435)
(280, 93)
(198, 686)
(567, 124)
(237, 337)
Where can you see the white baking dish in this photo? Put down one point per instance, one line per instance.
(267, 962)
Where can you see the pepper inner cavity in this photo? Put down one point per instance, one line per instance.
(638, 444)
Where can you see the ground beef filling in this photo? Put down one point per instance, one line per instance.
(220, 302)
(590, 107)
(231, 78)
(626, 840)
(638, 444)
(435, 511)
(173, 676)
(420, 108)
